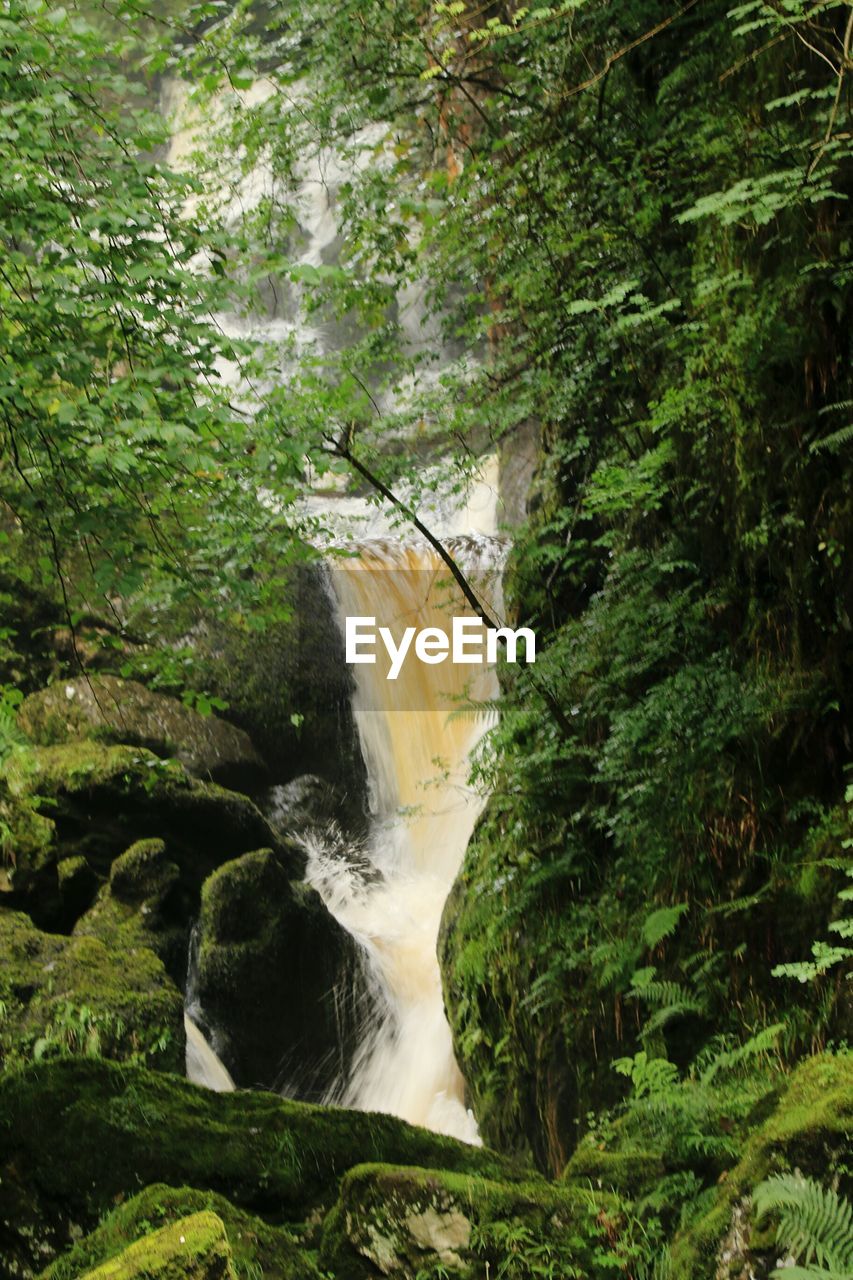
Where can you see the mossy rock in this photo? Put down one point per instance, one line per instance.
(810, 1130)
(78, 1134)
(65, 994)
(124, 711)
(533, 1077)
(403, 1221)
(193, 1248)
(141, 905)
(629, 1173)
(26, 836)
(102, 799)
(254, 1243)
(280, 982)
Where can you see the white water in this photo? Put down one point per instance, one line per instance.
(417, 735)
(416, 739)
(203, 1066)
(416, 753)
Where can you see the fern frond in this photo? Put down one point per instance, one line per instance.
(808, 1273)
(832, 443)
(815, 1222)
(662, 923)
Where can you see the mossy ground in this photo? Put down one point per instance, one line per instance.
(811, 1129)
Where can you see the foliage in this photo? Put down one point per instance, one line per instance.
(815, 1224)
(126, 467)
(628, 226)
(826, 956)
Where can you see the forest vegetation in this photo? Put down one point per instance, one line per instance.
(630, 225)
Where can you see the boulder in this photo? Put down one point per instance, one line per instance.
(92, 801)
(307, 803)
(141, 904)
(78, 1135)
(254, 1243)
(280, 982)
(404, 1222)
(193, 1248)
(76, 996)
(125, 711)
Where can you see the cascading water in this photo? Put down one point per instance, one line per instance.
(417, 734)
(415, 742)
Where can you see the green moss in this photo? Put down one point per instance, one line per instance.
(76, 1134)
(142, 872)
(809, 1130)
(135, 907)
(70, 869)
(193, 1248)
(252, 1241)
(260, 931)
(80, 766)
(403, 1221)
(26, 836)
(630, 1173)
(77, 995)
(103, 799)
(112, 710)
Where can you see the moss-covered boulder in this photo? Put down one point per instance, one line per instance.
(141, 904)
(27, 837)
(255, 1245)
(75, 995)
(193, 1248)
(279, 980)
(124, 711)
(629, 1173)
(401, 1222)
(811, 1129)
(78, 1135)
(102, 799)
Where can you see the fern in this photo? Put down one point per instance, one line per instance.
(662, 923)
(815, 1224)
(824, 955)
(832, 443)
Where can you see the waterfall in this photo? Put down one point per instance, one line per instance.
(415, 741)
(417, 735)
(203, 1065)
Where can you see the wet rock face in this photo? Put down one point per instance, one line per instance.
(124, 711)
(279, 981)
(290, 687)
(309, 806)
